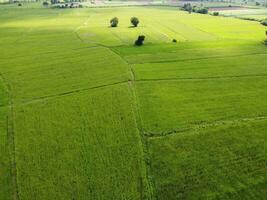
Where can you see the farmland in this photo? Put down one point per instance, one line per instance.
(84, 114)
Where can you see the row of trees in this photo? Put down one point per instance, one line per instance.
(115, 21)
(189, 8)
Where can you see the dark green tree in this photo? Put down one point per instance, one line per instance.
(135, 21)
(114, 22)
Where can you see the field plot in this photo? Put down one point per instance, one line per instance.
(190, 51)
(177, 25)
(90, 139)
(5, 162)
(257, 14)
(221, 162)
(34, 77)
(177, 105)
(232, 66)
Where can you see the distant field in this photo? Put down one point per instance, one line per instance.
(84, 114)
(258, 14)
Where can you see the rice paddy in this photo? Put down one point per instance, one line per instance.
(84, 114)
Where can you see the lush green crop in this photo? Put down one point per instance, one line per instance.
(84, 114)
(224, 161)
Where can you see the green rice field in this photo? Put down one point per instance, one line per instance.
(85, 114)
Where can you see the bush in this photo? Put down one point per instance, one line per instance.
(202, 11)
(135, 21)
(114, 22)
(187, 7)
(216, 14)
(264, 22)
(265, 42)
(45, 3)
(258, 4)
(174, 40)
(20, 4)
(140, 40)
(54, 1)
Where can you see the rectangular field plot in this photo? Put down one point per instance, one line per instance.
(62, 72)
(189, 51)
(222, 162)
(248, 65)
(83, 146)
(5, 158)
(177, 105)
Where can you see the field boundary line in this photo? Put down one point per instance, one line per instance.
(58, 95)
(200, 126)
(11, 138)
(145, 149)
(139, 124)
(48, 52)
(202, 78)
(194, 59)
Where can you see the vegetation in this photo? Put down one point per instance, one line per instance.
(187, 7)
(135, 21)
(216, 14)
(86, 115)
(114, 22)
(45, 3)
(264, 22)
(140, 40)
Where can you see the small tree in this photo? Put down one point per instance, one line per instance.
(187, 7)
(202, 11)
(114, 22)
(140, 40)
(45, 3)
(264, 22)
(135, 21)
(54, 1)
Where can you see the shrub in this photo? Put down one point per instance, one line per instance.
(45, 3)
(140, 40)
(216, 14)
(258, 4)
(54, 1)
(202, 11)
(135, 21)
(174, 40)
(264, 22)
(187, 7)
(20, 4)
(265, 42)
(114, 22)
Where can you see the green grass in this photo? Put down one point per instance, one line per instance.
(5, 161)
(89, 116)
(50, 74)
(80, 146)
(236, 66)
(178, 105)
(220, 162)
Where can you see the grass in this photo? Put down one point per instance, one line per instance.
(5, 165)
(51, 74)
(221, 162)
(102, 164)
(178, 105)
(89, 116)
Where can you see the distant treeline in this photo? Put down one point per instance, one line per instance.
(51, 1)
